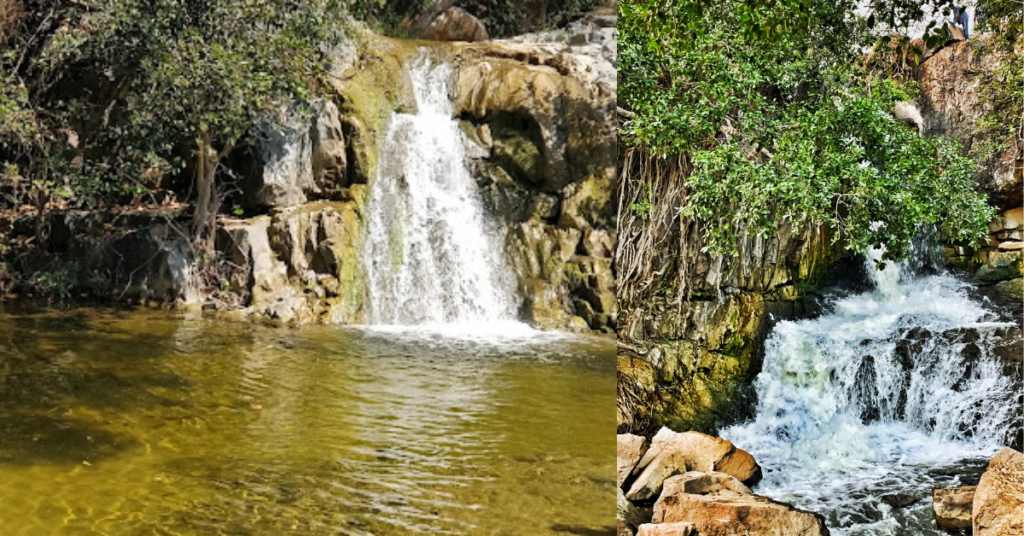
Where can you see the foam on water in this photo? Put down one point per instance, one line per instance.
(433, 258)
(866, 400)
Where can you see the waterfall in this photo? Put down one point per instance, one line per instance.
(432, 256)
(870, 398)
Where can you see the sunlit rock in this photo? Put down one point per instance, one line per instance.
(998, 506)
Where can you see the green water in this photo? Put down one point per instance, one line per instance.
(145, 422)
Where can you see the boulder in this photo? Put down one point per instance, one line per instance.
(630, 449)
(1001, 265)
(282, 163)
(649, 483)
(703, 483)
(952, 507)
(998, 505)
(455, 24)
(704, 453)
(667, 529)
(725, 512)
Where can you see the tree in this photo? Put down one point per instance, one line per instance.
(198, 74)
(775, 127)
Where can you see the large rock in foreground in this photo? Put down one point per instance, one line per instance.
(952, 507)
(705, 453)
(723, 511)
(998, 508)
(667, 529)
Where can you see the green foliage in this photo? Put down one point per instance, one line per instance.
(1004, 19)
(182, 68)
(786, 128)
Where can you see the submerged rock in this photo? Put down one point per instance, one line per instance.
(952, 507)
(998, 504)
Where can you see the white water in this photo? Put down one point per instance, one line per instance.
(842, 420)
(433, 259)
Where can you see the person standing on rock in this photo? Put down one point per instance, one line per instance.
(963, 19)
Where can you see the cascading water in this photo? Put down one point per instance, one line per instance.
(892, 393)
(432, 257)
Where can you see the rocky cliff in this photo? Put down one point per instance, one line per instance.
(537, 114)
(951, 104)
(688, 363)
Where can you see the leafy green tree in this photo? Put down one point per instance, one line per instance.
(780, 126)
(197, 73)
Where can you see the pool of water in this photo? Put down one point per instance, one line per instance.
(149, 422)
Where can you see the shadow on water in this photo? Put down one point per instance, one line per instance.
(56, 401)
(584, 531)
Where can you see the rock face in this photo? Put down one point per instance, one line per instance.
(299, 264)
(149, 261)
(630, 449)
(688, 364)
(455, 24)
(293, 157)
(998, 506)
(952, 507)
(538, 114)
(950, 105)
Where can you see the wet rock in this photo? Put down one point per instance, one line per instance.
(952, 507)
(359, 151)
(1001, 265)
(865, 391)
(667, 529)
(455, 24)
(998, 506)
(899, 500)
(630, 449)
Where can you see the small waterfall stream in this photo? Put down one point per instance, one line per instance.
(895, 391)
(432, 256)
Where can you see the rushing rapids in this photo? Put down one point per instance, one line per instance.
(894, 391)
(432, 256)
